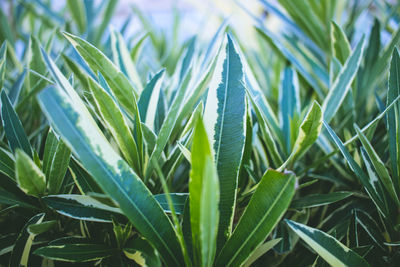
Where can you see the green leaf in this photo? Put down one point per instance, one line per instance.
(30, 178)
(204, 198)
(117, 124)
(342, 83)
(330, 249)
(168, 124)
(82, 208)
(63, 107)
(368, 185)
(123, 60)
(20, 253)
(98, 62)
(289, 102)
(142, 253)
(266, 133)
(75, 252)
(35, 63)
(39, 228)
(305, 67)
(340, 45)
(83, 180)
(265, 209)
(393, 118)
(3, 58)
(225, 115)
(316, 200)
(261, 250)
(148, 100)
(308, 133)
(15, 133)
(378, 164)
(77, 9)
(7, 163)
(55, 162)
(178, 200)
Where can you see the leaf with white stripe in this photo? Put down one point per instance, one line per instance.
(148, 100)
(204, 198)
(13, 128)
(82, 208)
(225, 115)
(265, 209)
(66, 111)
(97, 61)
(117, 124)
(329, 248)
(342, 83)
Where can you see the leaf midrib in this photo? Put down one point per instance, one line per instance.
(117, 184)
(261, 221)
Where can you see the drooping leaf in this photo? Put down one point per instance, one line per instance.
(82, 208)
(329, 248)
(75, 252)
(317, 200)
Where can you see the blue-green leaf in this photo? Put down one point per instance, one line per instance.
(63, 107)
(15, 133)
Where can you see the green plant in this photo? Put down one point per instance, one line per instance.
(156, 151)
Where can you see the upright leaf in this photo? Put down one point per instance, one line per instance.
(393, 117)
(308, 133)
(365, 181)
(77, 9)
(117, 124)
(15, 133)
(379, 166)
(204, 198)
(343, 82)
(20, 253)
(3, 56)
(265, 209)
(55, 162)
(30, 178)
(98, 62)
(340, 45)
(330, 249)
(149, 99)
(225, 114)
(71, 118)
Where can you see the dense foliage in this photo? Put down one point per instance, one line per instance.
(152, 149)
